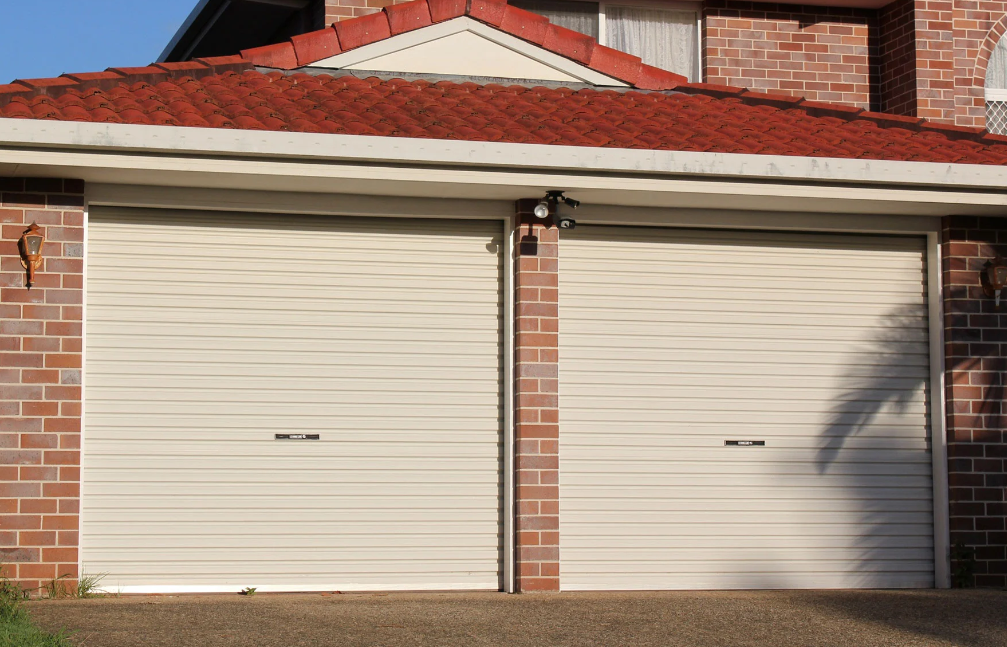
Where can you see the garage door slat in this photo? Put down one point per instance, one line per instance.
(674, 341)
(209, 333)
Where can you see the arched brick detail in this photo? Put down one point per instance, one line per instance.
(972, 58)
(986, 51)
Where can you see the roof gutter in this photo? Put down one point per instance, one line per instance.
(185, 141)
(180, 156)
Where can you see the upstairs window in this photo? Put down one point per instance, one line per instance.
(664, 35)
(581, 17)
(996, 90)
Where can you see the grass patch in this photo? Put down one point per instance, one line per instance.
(16, 628)
(89, 585)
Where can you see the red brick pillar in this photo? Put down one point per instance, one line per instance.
(975, 335)
(536, 391)
(40, 382)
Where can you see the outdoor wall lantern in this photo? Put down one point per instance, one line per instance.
(994, 278)
(30, 246)
(548, 205)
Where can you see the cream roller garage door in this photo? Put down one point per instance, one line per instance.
(208, 335)
(677, 344)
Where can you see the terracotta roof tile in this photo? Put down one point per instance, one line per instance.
(225, 93)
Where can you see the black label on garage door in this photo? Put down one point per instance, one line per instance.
(745, 443)
(297, 437)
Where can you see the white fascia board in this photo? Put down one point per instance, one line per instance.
(220, 142)
(177, 156)
(360, 56)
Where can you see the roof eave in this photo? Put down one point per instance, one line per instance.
(400, 165)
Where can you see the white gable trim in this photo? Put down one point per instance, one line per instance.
(563, 69)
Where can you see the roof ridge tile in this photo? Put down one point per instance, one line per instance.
(885, 120)
(43, 86)
(994, 138)
(441, 10)
(954, 132)
(835, 110)
(408, 16)
(569, 43)
(363, 30)
(221, 64)
(616, 63)
(524, 24)
(654, 78)
(490, 12)
(714, 90)
(774, 99)
(315, 45)
(278, 55)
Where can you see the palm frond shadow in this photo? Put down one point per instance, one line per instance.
(891, 385)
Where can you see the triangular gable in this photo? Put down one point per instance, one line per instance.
(466, 47)
(478, 38)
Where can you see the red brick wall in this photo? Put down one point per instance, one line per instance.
(976, 357)
(897, 58)
(336, 10)
(934, 61)
(537, 415)
(40, 381)
(953, 42)
(820, 53)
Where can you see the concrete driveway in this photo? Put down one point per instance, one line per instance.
(670, 619)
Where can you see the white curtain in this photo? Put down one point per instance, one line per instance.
(578, 16)
(996, 71)
(664, 39)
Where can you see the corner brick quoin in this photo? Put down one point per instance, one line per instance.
(40, 382)
(975, 333)
(537, 396)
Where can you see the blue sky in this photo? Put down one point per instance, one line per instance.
(41, 38)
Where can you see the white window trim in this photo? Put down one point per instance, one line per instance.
(996, 94)
(666, 6)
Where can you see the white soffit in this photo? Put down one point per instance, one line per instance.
(465, 47)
